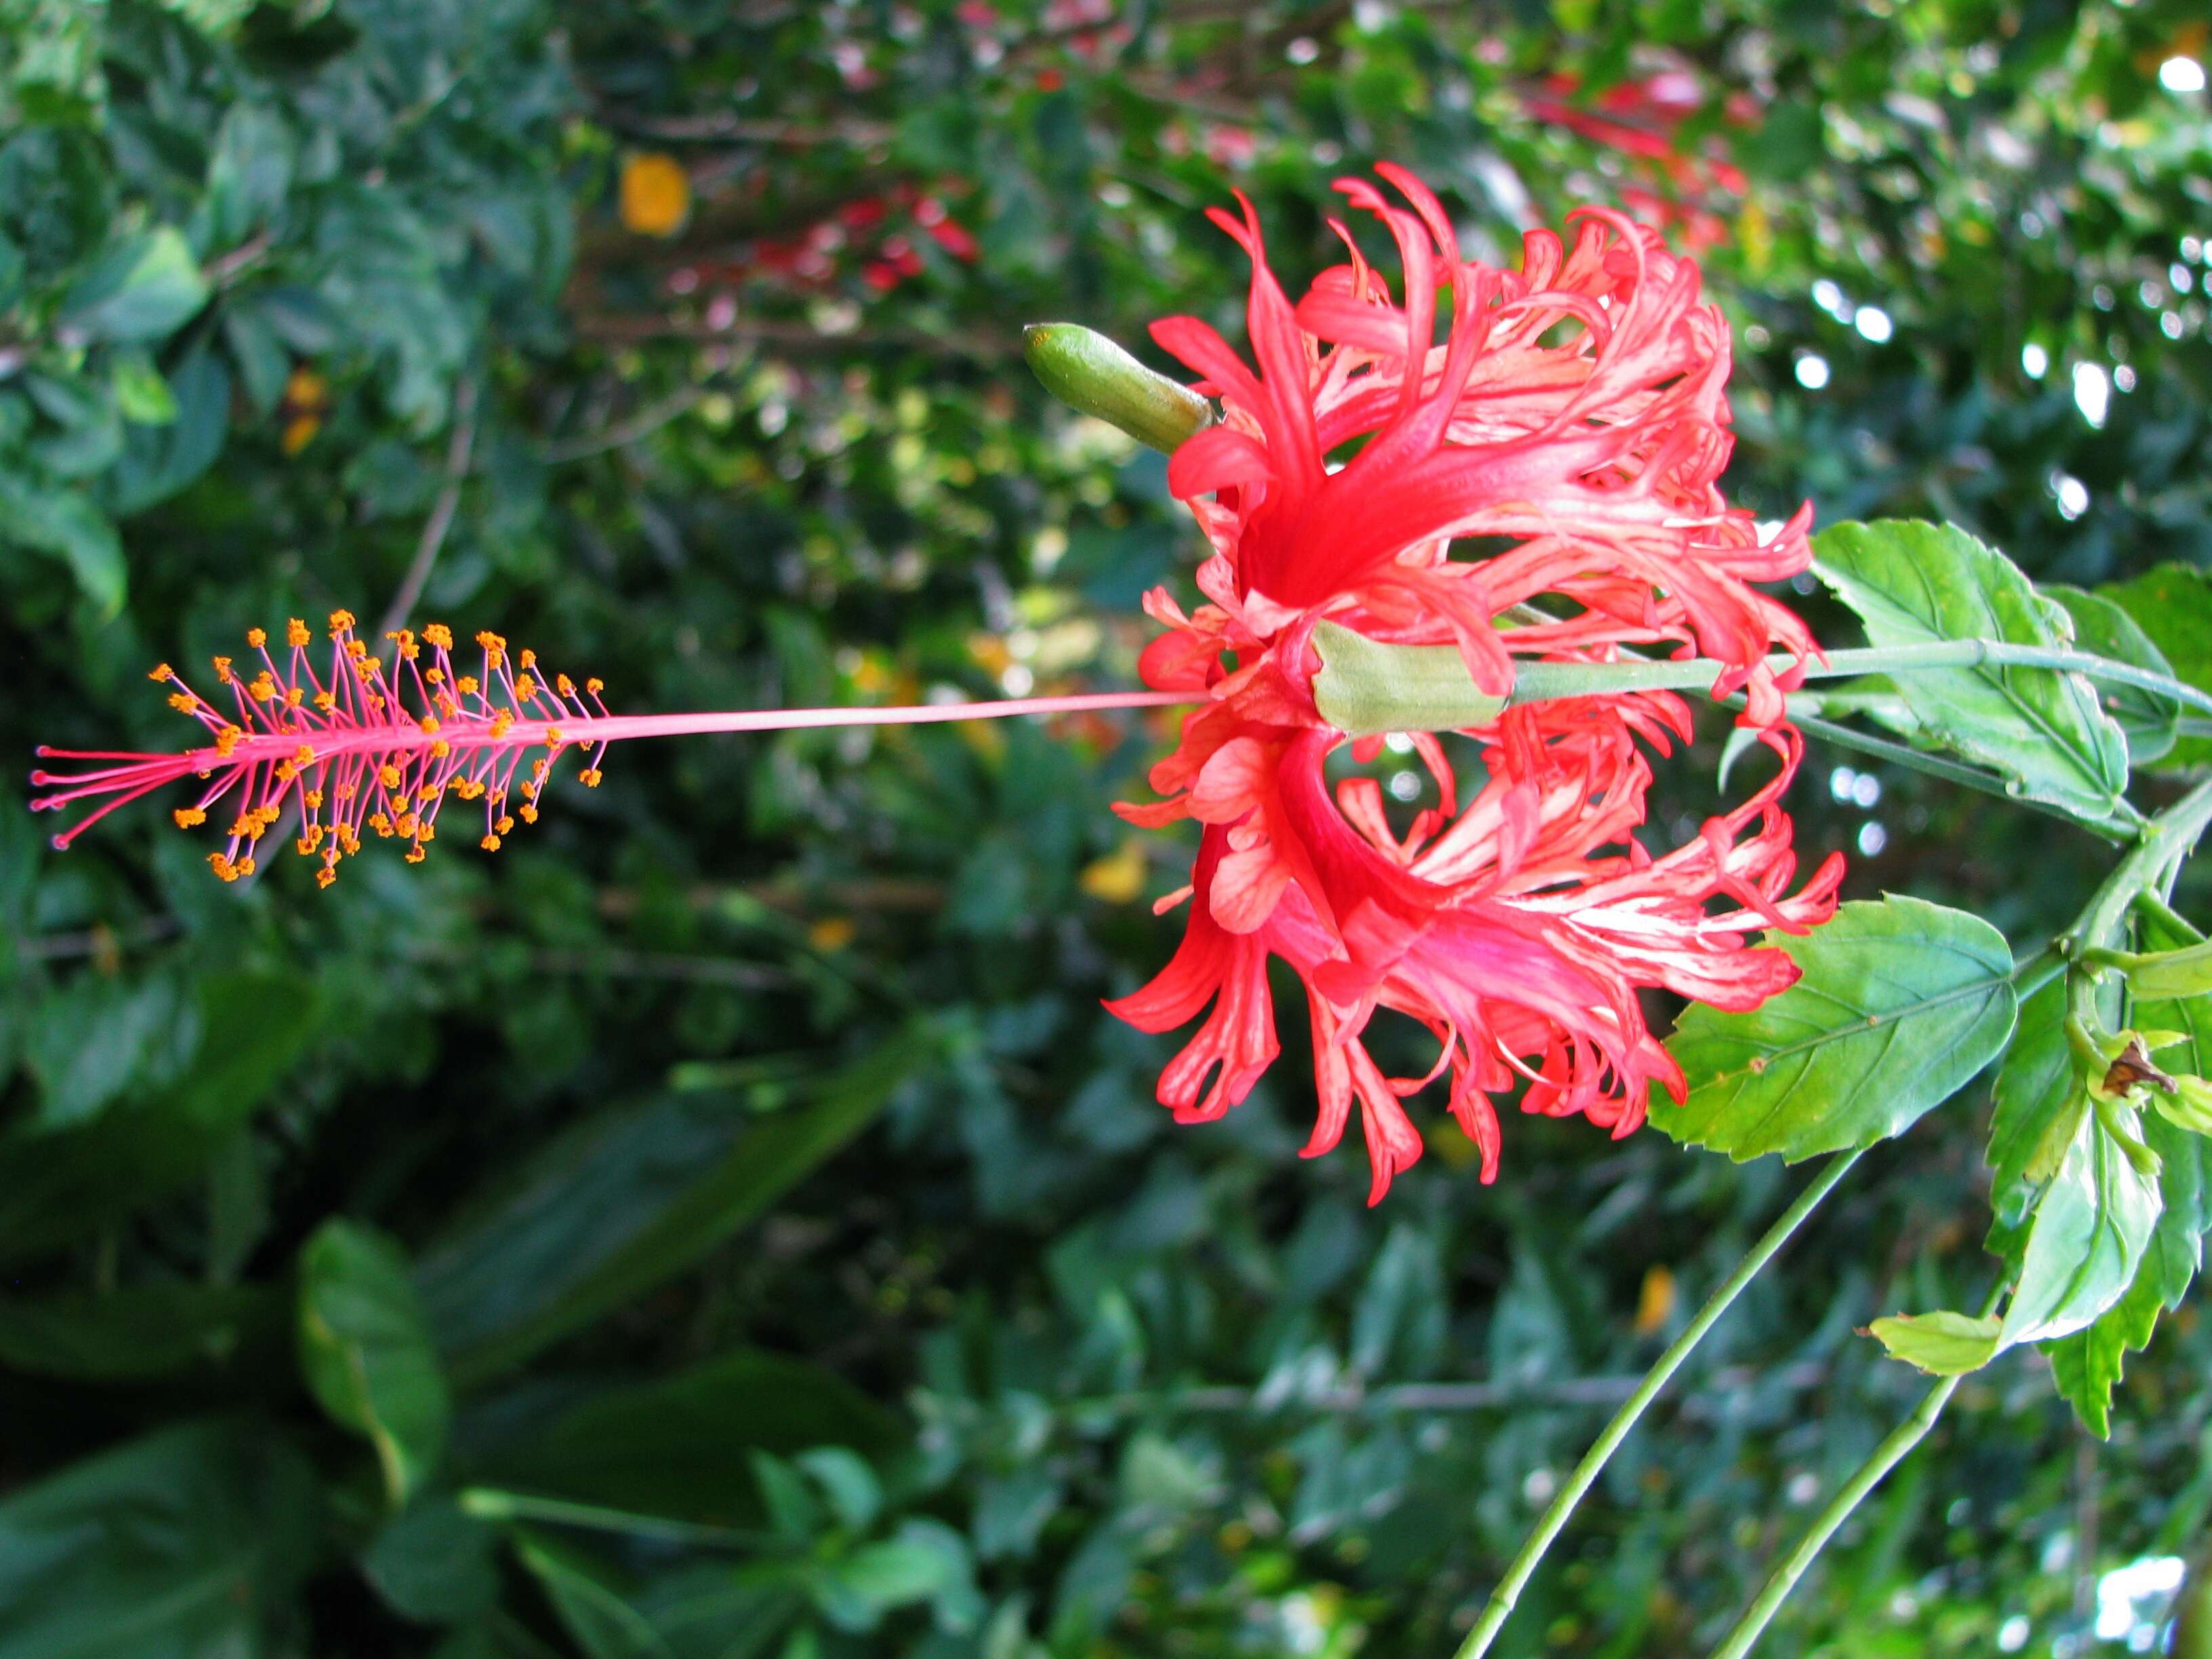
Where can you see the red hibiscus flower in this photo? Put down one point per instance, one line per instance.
(1574, 412)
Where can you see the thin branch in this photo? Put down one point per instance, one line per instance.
(611, 328)
(646, 422)
(457, 451)
(799, 133)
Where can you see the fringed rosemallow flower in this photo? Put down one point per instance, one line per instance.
(1573, 416)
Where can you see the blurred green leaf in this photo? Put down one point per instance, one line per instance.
(593, 1606)
(63, 523)
(1900, 1003)
(435, 1562)
(190, 1541)
(367, 1353)
(624, 1201)
(142, 290)
(63, 1185)
(684, 1446)
(139, 1332)
(1914, 583)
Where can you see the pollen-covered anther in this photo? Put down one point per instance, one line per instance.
(227, 739)
(223, 669)
(552, 737)
(326, 876)
(296, 633)
(183, 701)
(257, 637)
(466, 685)
(589, 777)
(505, 826)
(160, 673)
(341, 621)
(439, 635)
(595, 685)
(416, 855)
(566, 686)
(529, 813)
(502, 724)
(440, 748)
(489, 843)
(429, 723)
(494, 647)
(524, 688)
(388, 775)
(189, 817)
(312, 800)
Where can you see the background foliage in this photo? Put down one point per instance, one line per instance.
(725, 1223)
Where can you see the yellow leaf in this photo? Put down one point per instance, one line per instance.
(656, 194)
(1654, 1303)
(831, 934)
(1118, 877)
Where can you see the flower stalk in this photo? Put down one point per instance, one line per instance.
(1563, 1505)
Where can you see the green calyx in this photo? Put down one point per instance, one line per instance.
(1366, 689)
(1088, 372)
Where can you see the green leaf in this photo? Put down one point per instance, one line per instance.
(2039, 1101)
(2087, 1239)
(141, 1332)
(1900, 1002)
(141, 290)
(2088, 1364)
(368, 1355)
(2172, 605)
(188, 1542)
(684, 1446)
(626, 1199)
(61, 1186)
(2101, 625)
(1942, 1343)
(1914, 583)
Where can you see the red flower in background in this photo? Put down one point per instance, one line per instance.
(1575, 410)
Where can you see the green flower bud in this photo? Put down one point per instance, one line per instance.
(1088, 372)
(2189, 1107)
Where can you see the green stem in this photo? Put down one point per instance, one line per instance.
(1935, 766)
(2166, 839)
(1538, 680)
(1886, 1456)
(1366, 686)
(1554, 1518)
